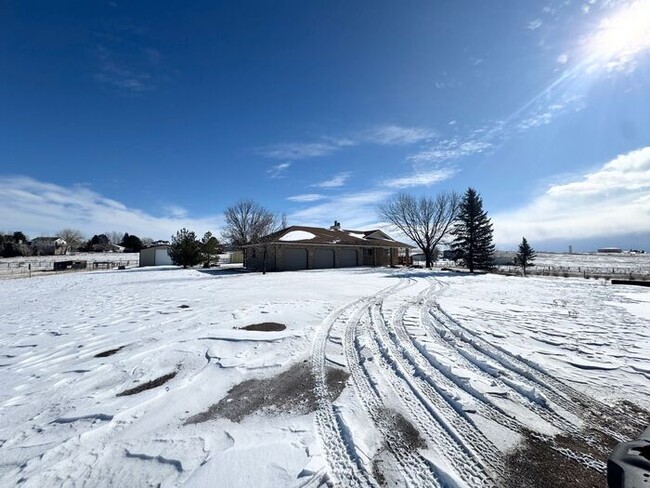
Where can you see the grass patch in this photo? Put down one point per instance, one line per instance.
(148, 385)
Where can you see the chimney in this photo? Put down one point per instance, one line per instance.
(336, 226)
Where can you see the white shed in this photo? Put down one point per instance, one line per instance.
(155, 256)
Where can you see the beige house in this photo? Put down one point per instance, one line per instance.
(300, 247)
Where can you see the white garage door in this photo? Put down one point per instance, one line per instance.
(162, 258)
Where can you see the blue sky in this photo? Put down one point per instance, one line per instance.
(148, 116)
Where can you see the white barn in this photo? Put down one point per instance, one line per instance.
(155, 256)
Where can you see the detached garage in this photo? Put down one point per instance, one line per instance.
(155, 256)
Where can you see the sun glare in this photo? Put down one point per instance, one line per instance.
(623, 35)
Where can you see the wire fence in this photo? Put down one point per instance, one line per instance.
(605, 272)
(28, 268)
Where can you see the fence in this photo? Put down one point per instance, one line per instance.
(27, 268)
(605, 272)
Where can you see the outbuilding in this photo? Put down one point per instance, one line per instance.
(155, 256)
(301, 247)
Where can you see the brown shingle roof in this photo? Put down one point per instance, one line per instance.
(324, 236)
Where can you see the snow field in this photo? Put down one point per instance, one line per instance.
(446, 375)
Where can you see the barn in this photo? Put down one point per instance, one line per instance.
(301, 247)
(155, 256)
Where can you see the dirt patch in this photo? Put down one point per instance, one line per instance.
(336, 379)
(148, 385)
(377, 472)
(407, 433)
(291, 391)
(536, 464)
(110, 352)
(265, 327)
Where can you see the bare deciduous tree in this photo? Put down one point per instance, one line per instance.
(424, 220)
(247, 222)
(74, 238)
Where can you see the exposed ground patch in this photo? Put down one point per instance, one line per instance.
(291, 391)
(535, 464)
(407, 434)
(148, 385)
(110, 352)
(266, 327)
(336, 379)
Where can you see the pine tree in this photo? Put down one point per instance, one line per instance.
(526, 255)
(473, 233)
(210, 248)
(185, 250)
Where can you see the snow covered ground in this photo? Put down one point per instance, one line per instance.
(146, 377)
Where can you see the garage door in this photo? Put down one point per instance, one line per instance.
(347, 258)
(323, 258)
(294, 259)
(162, 258)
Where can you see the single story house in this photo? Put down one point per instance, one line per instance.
(155, 256)
(49, 246)
(299, 247)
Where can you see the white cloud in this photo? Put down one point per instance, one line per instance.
(614, 200)
(450, 149)
(563, 58)
(534, 24)
(334, 182)
(306, 197)
(278, 171)
(426, 178)
(39, 208)
(396, 135)
(352, 210)
(304, 150)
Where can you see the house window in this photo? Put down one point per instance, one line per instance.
(253, 253)
(367, 251)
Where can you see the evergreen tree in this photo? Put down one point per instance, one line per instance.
(210, 248)
(473, 233)
(131, 243)
(526, 255)
(185, 250)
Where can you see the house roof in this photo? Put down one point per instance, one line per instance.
(299, 234)
(47, 239)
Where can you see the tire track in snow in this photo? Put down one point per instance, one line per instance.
(415, 468)
(534, 377)
(345, 465)
(444, 427)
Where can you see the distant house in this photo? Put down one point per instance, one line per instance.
(300, 247)
(155, 256)
(48, 246)
(610, 250)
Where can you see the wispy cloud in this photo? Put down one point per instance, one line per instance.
(427, 178)
(534, 24)
(334, 182)
(278, 171)
(450, 149)
(40, 208)
(306, 197)
(397, 135)
(125, 60)
(613, 200)
(304, 150)
(352, 210)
